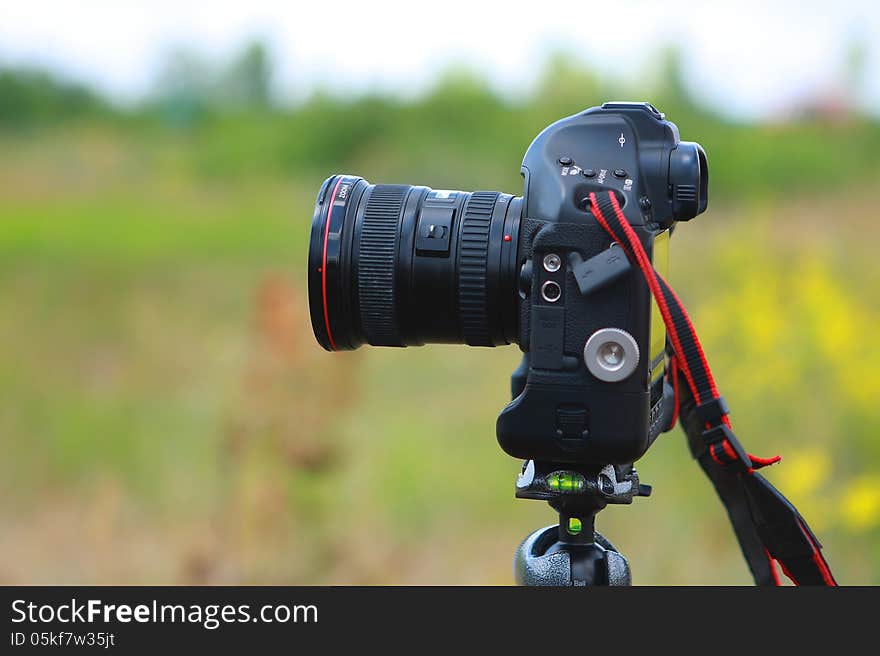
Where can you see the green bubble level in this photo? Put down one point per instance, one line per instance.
(565, 481)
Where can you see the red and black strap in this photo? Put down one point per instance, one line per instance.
(767, 526)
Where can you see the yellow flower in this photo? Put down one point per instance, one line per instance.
(804, 472)
(860, 507)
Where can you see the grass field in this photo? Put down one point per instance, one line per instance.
(167, 416)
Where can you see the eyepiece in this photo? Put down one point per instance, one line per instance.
(401, 265)
(688, 180)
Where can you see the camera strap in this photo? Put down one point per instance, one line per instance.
(769, 528)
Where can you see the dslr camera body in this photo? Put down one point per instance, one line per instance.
(591, 387)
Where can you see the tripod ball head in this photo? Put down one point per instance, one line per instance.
(542, 560)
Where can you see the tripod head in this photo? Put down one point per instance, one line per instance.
(573, 553)
(548, 558)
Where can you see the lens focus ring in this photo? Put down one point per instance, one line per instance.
(376, 263)
(473, 266)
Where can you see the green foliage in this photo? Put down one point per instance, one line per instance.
(223, 122)
(190, 89)
(32, 97)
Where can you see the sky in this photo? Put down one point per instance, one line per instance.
(751, 59)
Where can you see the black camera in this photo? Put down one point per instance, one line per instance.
(401, 265)
(572, 271)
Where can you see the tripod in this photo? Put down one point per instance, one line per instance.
(572, 553)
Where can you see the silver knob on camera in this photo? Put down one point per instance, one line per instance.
(611, 354)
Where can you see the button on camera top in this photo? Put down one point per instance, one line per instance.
(620, 173)
(565, 160)
(589, 173)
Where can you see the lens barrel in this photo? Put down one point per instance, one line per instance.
(401, 265)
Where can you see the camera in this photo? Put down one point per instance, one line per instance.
(402, 265)
(571, 271)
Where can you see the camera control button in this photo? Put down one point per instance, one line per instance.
(432, 237)
(589, 173)
(611, 354)
(620, 173)
(435, 231)
(565, 160)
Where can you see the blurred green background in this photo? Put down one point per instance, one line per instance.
(166, 416)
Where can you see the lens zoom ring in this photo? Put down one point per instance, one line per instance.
(472, 268)
(376, 264)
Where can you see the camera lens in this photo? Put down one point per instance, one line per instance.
(402, 265)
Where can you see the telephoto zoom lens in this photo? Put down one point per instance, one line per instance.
(399, 265)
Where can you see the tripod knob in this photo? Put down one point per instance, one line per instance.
(541, 560)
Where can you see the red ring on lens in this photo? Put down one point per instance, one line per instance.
(324, 264)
